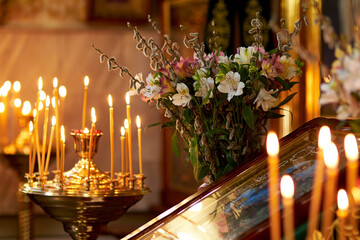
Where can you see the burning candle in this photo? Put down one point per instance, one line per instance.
(45, 130)
(53, 123)
(128, 162)
(93, 120)
(86, 84)
(122, 139)
(36, 123)
(138, 124)
(323, 139)
(287, 193)
(331, 158)
(62, 94)
(62, 152)
(57, 126)
(342, 212)
(272, 148)
(26, 109)
(17, 87)
(31, 128)
(111, 113)
(127, 100)
(35, 145)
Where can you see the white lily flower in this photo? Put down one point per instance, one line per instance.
(206, 85)
(224, 59)
(182, 98)
(289, 67)
(231, 85)
(153, 88)
(328, 94)
(265, 99)
(244, 55)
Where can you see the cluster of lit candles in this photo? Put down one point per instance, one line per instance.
(38, 151)
(326, 163)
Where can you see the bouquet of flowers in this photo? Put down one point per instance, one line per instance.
(218, 103)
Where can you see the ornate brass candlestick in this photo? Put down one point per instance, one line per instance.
(84, 200)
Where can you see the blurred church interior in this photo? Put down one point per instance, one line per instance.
(53, 38)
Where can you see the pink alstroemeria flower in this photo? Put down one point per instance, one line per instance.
(271, 67)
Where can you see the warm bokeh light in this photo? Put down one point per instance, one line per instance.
(86, 81)
(356, 194)
(342, 200)
(126, 124)
(31, 126)
(2, 107)
(331, 156)
(160, 230)
(17, 86)
(34, 113)
(4, 92)
(272, 144)
(47, 104)
(324, 136)
(201, 228)
(41, 106)
(93, 115)
(17, 102)
(351, 147)
(127, 98)
(53, 121)
(7, 86)
(53, 102)
(86, 130)
(26, 109)
(287, 187)
(55, 82)
(40, 83)
(62, 91)
(196, 208)
(110, 101)
(42, 95)
(138, 121)
(122, 131)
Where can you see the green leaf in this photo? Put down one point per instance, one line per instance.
(248, 116)
(286, 100)
(204, 171)
(273, 115)
(175, 144)
(194, 158)
(168, 124)
(153, 125)
(187, 115)
(217, 131)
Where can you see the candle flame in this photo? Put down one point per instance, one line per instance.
(342, 200)
(324, 136)
(93, 115)
(126, 124)
(122, 131)
(42, 95)
(86, 81)
(53, 121)
(331, 156)
(34, 113)
(17, 86)
(127, 98)
(4, 91)
(62, 91)
(47, 101)
(41, 106)
(351, 147)
(86, 131)
(356, 194)
(7, 85)
(53, 102)
(40, 83)
(2, 107)
(287, 187)
(55, 82)
(138, 121)
(110, 101)
(62, 133)
(26, 109)
(272, 144)
(17, 102)
(31, 126)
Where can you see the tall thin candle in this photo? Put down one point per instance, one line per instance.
(342, 212)
(331, 158)
(287, 193)
(62, 94)
(272, 147)
(57, 126)
(46, 117)
(31, 128)
(138, 124)
(111, 113)
(53, 123)
(86, 84)
(93, 120)
(36, 127)
(62, 152)
(323, 139)
(122, 139)
(127, 99)
(126, 124)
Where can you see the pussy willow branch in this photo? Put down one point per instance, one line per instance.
(113, 65)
